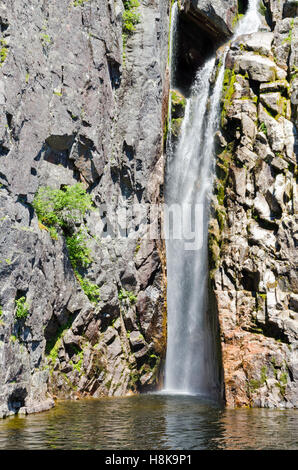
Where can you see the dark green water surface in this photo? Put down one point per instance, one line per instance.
(154, 422)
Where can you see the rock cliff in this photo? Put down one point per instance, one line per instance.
(253, 231)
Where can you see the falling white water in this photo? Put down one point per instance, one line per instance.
(191, 363)
(172, 51)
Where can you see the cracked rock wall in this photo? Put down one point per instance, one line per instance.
(75, 107)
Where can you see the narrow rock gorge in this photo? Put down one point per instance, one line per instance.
(84, 101)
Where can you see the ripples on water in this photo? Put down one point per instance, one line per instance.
(153, 422)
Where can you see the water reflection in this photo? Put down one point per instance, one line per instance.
(150, 422)
(258, 429)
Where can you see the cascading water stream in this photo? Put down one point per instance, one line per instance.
(191, 362)
(172, 51)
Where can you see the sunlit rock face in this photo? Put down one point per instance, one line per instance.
(77, 107)
(253, 230)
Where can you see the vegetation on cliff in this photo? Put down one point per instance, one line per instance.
(131, 18)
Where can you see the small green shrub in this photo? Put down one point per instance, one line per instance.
(79, 255)
(46, 206)
(263, 375)
(220, 194)
(254, 384)
(134, 377)
(22, 308)
(262, 8)
(236, 19)
(126, 295)
(53, 232)
(53, 353)
(1, 311)
(284, 378)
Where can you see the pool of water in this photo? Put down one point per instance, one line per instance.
(150, 422)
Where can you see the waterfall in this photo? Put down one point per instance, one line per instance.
(191, 363)
(172, 67)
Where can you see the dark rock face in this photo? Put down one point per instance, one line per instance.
(72, 110)
(202, 27)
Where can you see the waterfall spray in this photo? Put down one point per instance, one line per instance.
(191, 363)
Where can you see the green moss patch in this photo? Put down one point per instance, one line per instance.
(176, 127)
